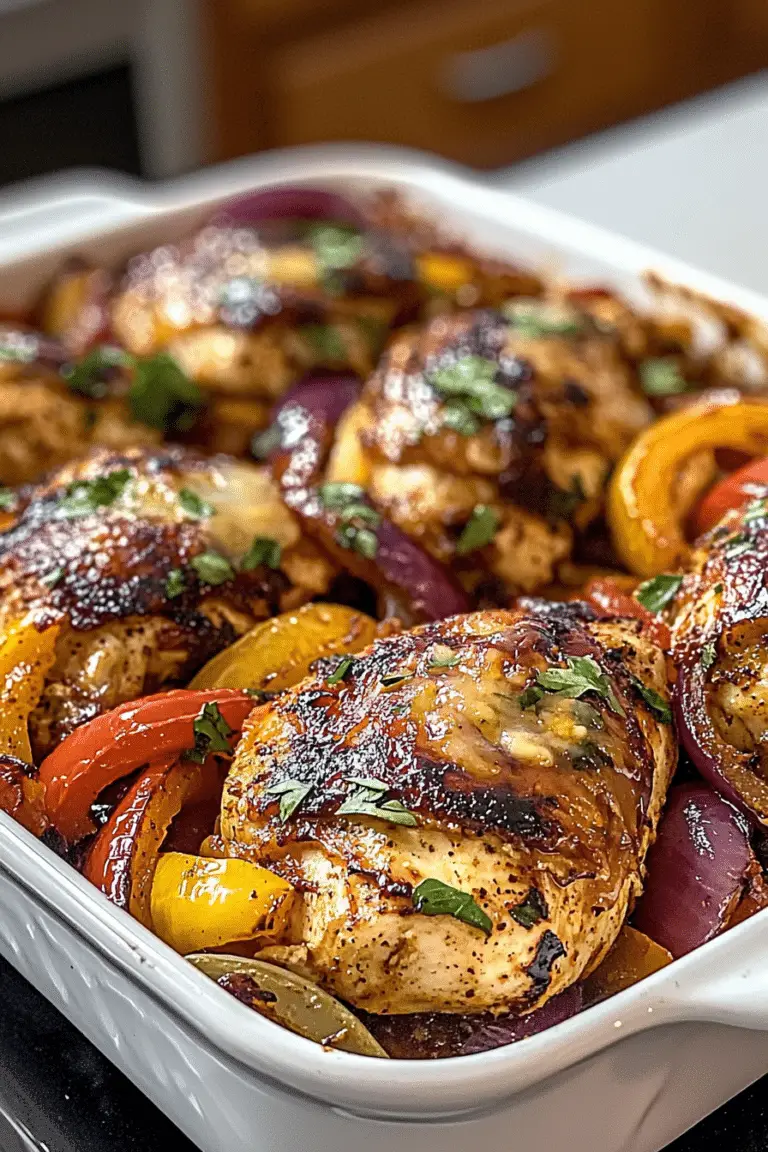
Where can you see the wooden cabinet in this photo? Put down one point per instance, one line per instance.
(485, 82)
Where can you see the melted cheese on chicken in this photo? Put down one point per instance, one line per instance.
(537, 806)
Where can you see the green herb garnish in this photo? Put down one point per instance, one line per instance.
(535, 319)
(441, 656)
(163, 396)
(459, 419)
(655, 702)
(7, 499)
(194, 505)
(531, 910)
(326, 341)
(336, 246)
(263, 550)
(479, 530)
(717, 589)
(662, 377)
(211, 731)
(340, 494)
(366, 801)
(708, 655)
(84, 497)
(90, 376)
(530, 696)
(434, 898)
(291, 793)
(562, 503)
(52, 578)
(469, 384)
(389, 679)
(737, 545)
(361, 540)
(213, 568)
(175, 583)
(656, 593)
(18, 347)
(582, 675)
(341, 670)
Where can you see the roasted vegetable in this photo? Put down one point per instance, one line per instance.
(158, 728)
(645, 512)
(201, 903)
(279, 652)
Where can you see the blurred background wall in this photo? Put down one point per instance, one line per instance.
(162, 86)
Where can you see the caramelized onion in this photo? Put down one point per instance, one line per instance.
(394, 564)
(697, 869)
(435, 1035)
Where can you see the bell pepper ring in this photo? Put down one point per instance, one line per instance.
(199, 903)
(27, 654)
(122, 859)
(277, 653)
(733, 491)
(122, 740)
(642, 514)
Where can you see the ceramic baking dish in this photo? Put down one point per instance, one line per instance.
(628, 1074)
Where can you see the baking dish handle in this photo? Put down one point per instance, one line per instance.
(736, 991)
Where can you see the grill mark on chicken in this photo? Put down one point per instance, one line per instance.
(504, 804)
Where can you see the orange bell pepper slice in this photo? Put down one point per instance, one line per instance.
(22, 795)
(732, 491)
(642, 514)
(122, 740)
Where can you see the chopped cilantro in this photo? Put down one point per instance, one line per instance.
(341, 671)
(263, 550)
(656, 593)
(563, 503)
(366, 800)
(7, 499)
(662, 377)
(52, 578)
(535, 319)
(434, 898)
(175, 583)
(163, 396)
(657, 704)
(212, 567)
(194, 505)
(531, 910)
(469, 384)
(441, 656)
(479, 530)
(210, 732)
(708, 655)
(86, 496)
(292, 793)
(90, 376)
(582, 675)
(326, 341)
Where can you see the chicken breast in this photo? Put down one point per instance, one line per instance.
(465, 834)
(148, 563)
(517, 413)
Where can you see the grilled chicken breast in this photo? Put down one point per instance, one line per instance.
(458, 753)
(146, 562)
(522, 412)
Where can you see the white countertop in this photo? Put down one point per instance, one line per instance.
(691, 181)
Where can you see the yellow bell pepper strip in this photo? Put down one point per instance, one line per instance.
(22, 795)
(278, 653)
(27, 653)
(203, 903)
(643, 512)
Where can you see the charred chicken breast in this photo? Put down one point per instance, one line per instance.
(464, 809)
(147, 563)
(514, 417)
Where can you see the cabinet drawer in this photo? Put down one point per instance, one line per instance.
(482, 83)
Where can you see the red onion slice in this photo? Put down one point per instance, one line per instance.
(398, 568)
(697, 869)
(438, 1035)
(287, 203)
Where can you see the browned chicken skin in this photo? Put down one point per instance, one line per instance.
(539, 806)
(140, 559)
(492, 410)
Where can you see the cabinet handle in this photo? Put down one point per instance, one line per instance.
(499, 70)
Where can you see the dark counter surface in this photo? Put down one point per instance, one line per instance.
(58, 1094)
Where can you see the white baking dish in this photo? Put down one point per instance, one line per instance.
(629, 1074)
